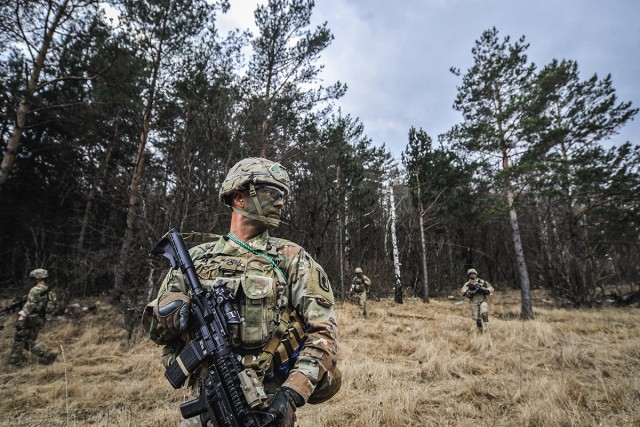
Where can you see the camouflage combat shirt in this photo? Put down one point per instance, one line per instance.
(263, 293)
(37, 301)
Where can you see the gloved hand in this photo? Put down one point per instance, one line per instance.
(21, 324)
(173, 312)
(169, 354)
(284, 405)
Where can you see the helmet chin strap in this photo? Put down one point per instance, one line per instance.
(271, 223)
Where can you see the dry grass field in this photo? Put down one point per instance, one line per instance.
(407, 365)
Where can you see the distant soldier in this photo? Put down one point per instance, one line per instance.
(360, 286)
(477, 290)
(30, 320)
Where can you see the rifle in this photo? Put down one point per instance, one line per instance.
(229, 392)
(475, 288)
(16, 304)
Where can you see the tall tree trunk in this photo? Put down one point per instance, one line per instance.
(183, 176)
(339, 237)
(98, 179)
(526, 312)
(32, 86)
(264, 128)
(135, 183)
(423, 245)
(133, 203)
(394, 243)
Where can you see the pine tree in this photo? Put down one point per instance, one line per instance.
(434, 176)
(39, 31)
(494, 100)
(282, 80)
(577, 175)
(163, 28)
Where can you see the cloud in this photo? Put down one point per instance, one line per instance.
(395, 56)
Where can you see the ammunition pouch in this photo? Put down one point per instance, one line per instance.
(281, 351)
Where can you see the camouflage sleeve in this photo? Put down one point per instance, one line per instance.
(35, 301)
(156, 332)
(488, 286)
(172, 282)
(52, 303)
(312, 297)
(464, 289)
(367, 281)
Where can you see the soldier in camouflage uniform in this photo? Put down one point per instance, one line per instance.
(289, 333)
(360, 286)
(30, 320)
(478, 290)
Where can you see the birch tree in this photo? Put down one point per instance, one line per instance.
(394, 243)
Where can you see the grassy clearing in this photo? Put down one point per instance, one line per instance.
(407, 365)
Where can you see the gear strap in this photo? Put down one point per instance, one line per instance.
(255, 252)
(284, 341)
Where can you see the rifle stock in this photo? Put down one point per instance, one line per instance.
(229, 392)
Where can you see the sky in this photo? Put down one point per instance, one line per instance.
(395, 56)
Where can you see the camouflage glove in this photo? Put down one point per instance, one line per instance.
(283, 406)
(169, 354)
(173, 312)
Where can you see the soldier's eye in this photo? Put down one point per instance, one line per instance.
(274, 193)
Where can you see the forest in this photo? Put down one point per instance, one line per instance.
(116, 129)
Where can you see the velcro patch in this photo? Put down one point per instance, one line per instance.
(319, 284)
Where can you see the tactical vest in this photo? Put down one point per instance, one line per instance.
(478, 296)
(359, 285)
(258, 289)
(271, 330)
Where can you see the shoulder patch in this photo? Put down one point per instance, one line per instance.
(319, 284)
(323, 280)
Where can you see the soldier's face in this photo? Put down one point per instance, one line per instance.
(472, 276)
(271, 200)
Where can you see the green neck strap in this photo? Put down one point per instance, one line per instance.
(250, 249)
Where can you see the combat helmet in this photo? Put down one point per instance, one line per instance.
(246, 175)
(358, 270)
(472, 271)
(253, 170)
(39, 274)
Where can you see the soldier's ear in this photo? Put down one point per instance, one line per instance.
(238, 199)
